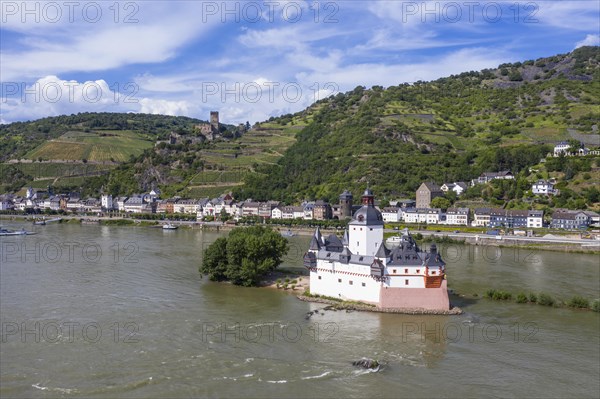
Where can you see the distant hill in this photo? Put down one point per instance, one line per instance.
(450, 129)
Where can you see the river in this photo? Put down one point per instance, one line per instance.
(98, 311)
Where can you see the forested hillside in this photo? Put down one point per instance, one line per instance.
(451, 129)
(448, 130)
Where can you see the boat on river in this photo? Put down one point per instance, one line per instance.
(22, 232)
(169, 226)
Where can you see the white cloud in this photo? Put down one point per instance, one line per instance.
(79, 46)
(164, 107)
(571, 15)
(590, 40)
(51, 95)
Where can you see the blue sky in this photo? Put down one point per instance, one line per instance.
(251, 60)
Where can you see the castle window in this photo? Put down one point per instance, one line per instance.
(405, 282)
(339, 280)
(405, 271)
(319, 277)
(394, 271)
(371, 229)
(357, 243)
(432, 272)
(418, 270)
(351, 282)
(364, 285)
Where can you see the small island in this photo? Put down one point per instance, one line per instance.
(245, 256)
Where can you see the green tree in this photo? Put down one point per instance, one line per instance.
(224, 216)
(214, 261)
(440, 202)
(245, 256)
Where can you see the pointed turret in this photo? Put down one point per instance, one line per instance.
(382, 252)
(345, 239)
(314, 244)
(318, 236)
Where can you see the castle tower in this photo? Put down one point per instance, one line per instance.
(366, 228)
(214, 120)
(346, 204)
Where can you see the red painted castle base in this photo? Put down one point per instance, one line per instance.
(415, 298)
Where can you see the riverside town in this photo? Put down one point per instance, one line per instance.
(299, 199)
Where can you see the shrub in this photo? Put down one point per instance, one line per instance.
(578, 302)
(293, 286)
(498, 295)
(532, 297)
(595, 305)
(521, 298)
(545, 300)
(287, 280)
(294, 281)
(502, 295)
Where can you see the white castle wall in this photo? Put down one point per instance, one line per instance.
(326, 281)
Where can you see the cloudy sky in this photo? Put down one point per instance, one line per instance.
(255, 59)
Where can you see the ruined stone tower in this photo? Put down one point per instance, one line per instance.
(214, 121)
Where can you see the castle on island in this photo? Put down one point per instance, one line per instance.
(360, 267)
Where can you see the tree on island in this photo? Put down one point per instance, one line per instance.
(244, 256)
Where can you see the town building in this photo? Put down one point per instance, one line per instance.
(106, 201)
(543, 187)
(535, 219)
(359, 267)
(458, 187)
(391, 214)
(457, 216)
(561, 148)
(513, 218)
(487, 177)
(322, 210)
(481, 217)
(563, 219)
(427, 192)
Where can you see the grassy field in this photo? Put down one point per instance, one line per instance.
(101, 145)
(229, 161)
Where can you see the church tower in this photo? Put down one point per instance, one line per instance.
(366, 228)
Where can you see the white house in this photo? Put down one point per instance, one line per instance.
(188, 206)
(276, 213)
(457, 216)
(481, 217)
(433, 215)
(359, 267)
(457, 187)
(391, 214)
(134, 204)
(543, 187)
(120, 203)
(535, 219)
(107, 202)
(561, 148)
